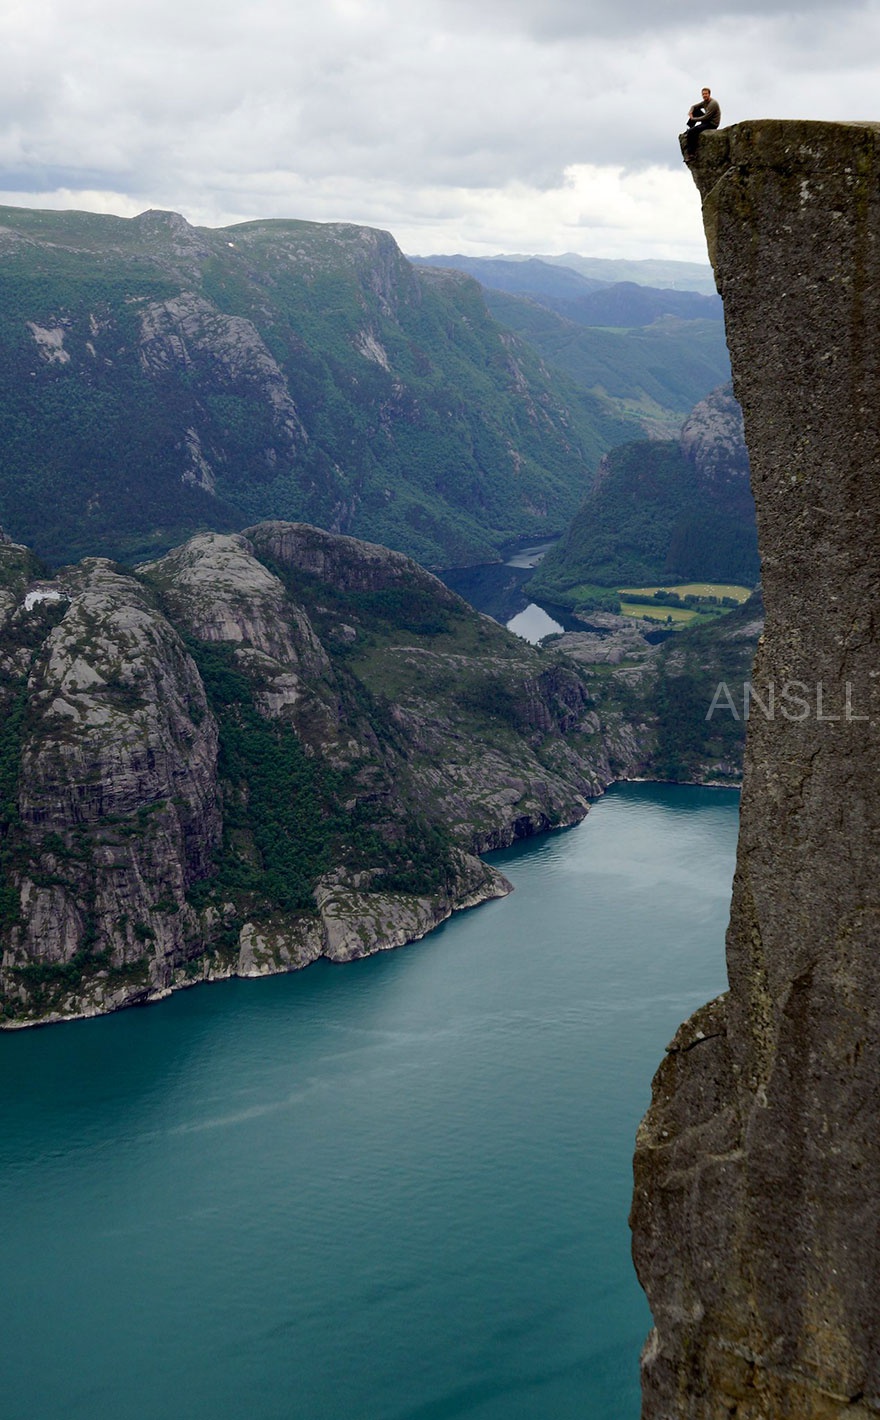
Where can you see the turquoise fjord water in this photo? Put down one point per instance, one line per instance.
(395, 1190)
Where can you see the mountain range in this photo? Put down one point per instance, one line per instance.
(606, 271)
(586, 300)
(157, 379)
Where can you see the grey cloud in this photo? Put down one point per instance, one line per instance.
(52, 179)
(554, 20)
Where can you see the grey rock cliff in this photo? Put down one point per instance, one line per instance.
(712, 438)
(757, 1170)
(118, 801)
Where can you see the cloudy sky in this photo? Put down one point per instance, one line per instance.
(475, 126)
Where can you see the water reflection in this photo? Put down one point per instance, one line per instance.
(533, 624)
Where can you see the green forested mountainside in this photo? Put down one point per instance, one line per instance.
(627, 304)
(654, 373)
(644, 524)
(156, 378)
(663, 511)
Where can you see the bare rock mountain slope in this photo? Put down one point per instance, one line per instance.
(260, 749)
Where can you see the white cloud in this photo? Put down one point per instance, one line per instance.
(540, 124)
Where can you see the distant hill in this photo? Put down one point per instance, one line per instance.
(580, 298)
(626, 303)
(529, 275)
(605, 271)
(683, 275)
(663, 510)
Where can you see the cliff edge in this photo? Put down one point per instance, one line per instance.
(757, 1168)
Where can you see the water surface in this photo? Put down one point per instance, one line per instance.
(533, 623)
(393, 1190)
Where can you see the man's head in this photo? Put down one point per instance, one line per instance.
(707, 94)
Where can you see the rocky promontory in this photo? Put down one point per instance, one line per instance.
(757, 1170)
(261, 749)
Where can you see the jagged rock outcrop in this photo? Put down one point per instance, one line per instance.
(257, 750)
(118, 809)
(216, 589)
(549, 751)
(713, 440)
(757, 1171)
(188, 332)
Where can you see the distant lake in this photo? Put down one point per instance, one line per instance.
(496, 588)
(531, 556)
(393, 1190)
(533, 623)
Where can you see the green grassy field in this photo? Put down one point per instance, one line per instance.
(643, 601)
(654, 611)
(690, 589)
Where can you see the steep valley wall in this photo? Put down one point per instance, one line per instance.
(757, 1169)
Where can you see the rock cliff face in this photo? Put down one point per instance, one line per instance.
(261, 749)
(712, 439)
(757, 1171)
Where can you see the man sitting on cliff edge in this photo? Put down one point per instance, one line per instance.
(705, 114)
